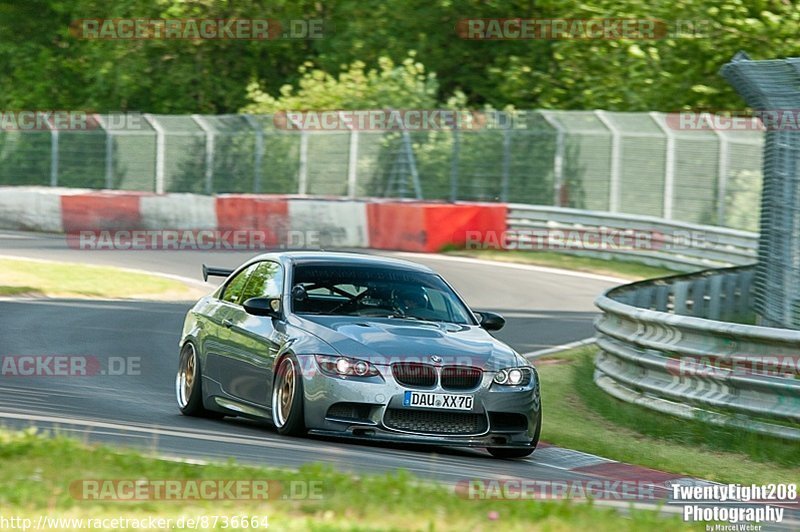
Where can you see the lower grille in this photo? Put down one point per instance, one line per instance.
(435, 422)
(507, 422)
(354, 411)
(414, 374)
(460, 377)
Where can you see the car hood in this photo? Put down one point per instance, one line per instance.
(389, 340)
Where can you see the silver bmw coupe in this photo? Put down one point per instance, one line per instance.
(356, 346)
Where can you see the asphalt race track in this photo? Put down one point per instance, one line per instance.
(138, 409)
(543, 310)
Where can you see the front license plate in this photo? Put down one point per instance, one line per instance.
(438, 400)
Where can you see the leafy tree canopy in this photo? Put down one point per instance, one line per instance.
(363, 57)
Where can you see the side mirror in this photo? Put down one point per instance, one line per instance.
(491, 321)
(263, 306)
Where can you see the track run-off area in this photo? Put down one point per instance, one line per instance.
(544, 308)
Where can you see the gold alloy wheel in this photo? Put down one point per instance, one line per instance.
(283, 392)
(186, 375)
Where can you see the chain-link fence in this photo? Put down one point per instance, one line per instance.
(771, 88)
(639, 163)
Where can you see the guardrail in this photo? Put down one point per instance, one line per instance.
(663, 346)
(655, 241)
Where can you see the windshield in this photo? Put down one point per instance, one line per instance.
(375, 292)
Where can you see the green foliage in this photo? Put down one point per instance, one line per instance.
(363, 58)
(404, 86)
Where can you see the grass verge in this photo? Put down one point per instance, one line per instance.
(38, 476)
(580, 415)
(62, 279)
(617, 268)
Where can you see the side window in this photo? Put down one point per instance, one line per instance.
(266, 281)
(235, 286)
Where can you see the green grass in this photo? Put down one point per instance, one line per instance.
(36, 474)
(10, 291)
(580, 415)
(618, 268)
(61, 279)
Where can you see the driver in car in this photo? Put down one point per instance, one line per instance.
(413, 301)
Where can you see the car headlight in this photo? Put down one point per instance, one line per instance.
(513, 376)
(340, 366)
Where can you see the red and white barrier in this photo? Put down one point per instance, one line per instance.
(280, 220)
(178, 211)
(30, 209)
(428, 227)
(339, 223)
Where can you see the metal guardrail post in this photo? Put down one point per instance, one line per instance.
(209, 132)
(558, 160)
(160, 151)
(669, 164)
(616, 161)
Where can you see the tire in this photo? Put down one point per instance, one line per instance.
(287, 398)
(189, 385)
(511, 452)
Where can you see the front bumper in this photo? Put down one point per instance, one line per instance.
(375, 398)
(379, 435)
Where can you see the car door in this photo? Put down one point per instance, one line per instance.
(216, 325)
(252, 341)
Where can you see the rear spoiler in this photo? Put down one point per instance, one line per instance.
(215, 272)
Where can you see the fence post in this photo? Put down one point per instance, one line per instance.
(669, 164)
(302, 181)
(454, 163)
(616, 155)
(302, 177)
(722, 170)
(109, 163)
(412, 165)
(259, 152)
(53, 154)
(160, 151)
(352, 159)
(506, 165)
(209, 131)
(558, 160)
